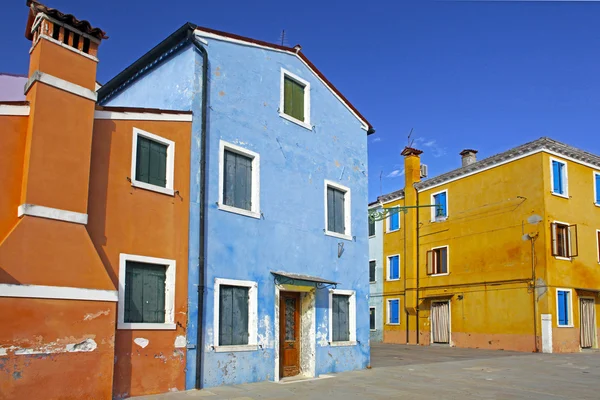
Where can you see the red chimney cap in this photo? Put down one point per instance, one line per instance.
(410, 151)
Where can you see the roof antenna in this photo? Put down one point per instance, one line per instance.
(410, 142)
(282, 38)
(380, 183)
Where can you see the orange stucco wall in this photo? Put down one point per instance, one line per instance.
(125, 219)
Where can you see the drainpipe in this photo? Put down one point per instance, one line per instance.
(417, 310)
(404, 280)
(533, 278)
(203, 194)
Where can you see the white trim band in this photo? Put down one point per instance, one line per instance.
(57, 292)
(61, 84)
(8, 109)
(142, 116)
(52, 213)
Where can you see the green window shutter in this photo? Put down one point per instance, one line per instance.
(340, 309)
(233, 315)
(237, 181)
(151, 162)
(142, 172)
(144, 292)
(293, 99)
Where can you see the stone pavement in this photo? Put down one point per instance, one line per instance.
(414, 372)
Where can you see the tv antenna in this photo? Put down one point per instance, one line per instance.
(381, 183)
(410, 142)
(282, 38)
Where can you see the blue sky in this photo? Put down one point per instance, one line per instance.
(482, 75)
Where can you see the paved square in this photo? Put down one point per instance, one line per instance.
(415, 372)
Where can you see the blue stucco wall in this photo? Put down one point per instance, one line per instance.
(376, 288)
(244, 90)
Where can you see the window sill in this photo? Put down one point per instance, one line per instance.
(564, 196)
(338, 235)
(439, 219)
(563, 258)
(392, 280)
(373, 330)
(597, 204)
(340, 344)
(395, 230)
(146, 326)
(296, 121)
(446, 274)
(371, 237)
(240, 211)
(565, 326)
(393, 324)
(372, 282)
(242, 347)
(153, 188)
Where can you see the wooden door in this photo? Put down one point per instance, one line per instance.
(440, 322)
(587, 322)
(289, 334)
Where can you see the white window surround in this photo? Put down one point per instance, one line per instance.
(170, 170)
(598, 245)
(389, 311)
(388, 220)
(306, 123)
(252, 315)
(596, 188)
(375, 312)
(566, 178)
(375, 281)
(568, 238)
(388, 270)
(351, 317)
(447, 259)
(169, 323)
(570, 310)
(347, 210)
(433, 209)
(255, 208)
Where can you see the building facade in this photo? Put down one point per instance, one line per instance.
(501, 253)
(93, 230)
(375, 276)
(277, 229)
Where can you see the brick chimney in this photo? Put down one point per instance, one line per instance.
(469, 156)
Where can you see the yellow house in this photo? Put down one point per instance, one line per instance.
(502, 253)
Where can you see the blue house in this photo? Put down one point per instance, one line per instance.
(278, 235)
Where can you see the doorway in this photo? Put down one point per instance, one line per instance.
(587, 322)
(289, 334)
(440, 322)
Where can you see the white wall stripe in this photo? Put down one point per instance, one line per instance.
(61, 84)
(7, 109)
(57, 292)
(52, 213)
(142, 116)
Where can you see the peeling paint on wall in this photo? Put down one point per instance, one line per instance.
(265, 335)
(180, 342)
(89, 317)
(142, 342)
(56, 347)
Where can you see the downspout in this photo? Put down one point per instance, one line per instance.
(404, 280)
(203, 193)
(533, 292)
(417, 310)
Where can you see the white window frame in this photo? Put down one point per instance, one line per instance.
(170, 167)
(568, 238)
(169, 323)
(447, 260)
(388, 220)
(433, 217)
(598, 245)
(351, 317)
(375, 312)
(370, 281)
(388, 269)
(252, 315)
(347, 235)
(306, 123)
(389, 312)
(565, 180)
(255, 195)
(570, 309)
(374, 226)
(596, 188)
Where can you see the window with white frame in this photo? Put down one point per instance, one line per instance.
(393, 311)
(239, 180)
(294, 104)
(342, 321)
(337, 210)
(372, 317)
(597, 188)
(393, 220)
(393, 264)
(564, 240)
(371, 227)
(440, 211)
(146, 292)
(437, 261)
(564, 308)
(235, 315)
(372, 271)
(559, 177)
(153, 162)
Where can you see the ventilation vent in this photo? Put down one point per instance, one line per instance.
(423, 170)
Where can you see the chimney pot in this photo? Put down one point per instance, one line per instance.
(410, 151)
(469, 156)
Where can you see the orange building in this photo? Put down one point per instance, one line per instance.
(94, 211)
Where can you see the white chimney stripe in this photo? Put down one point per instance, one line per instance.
(61, 84)
(142, 116)
(57, 292)
(8, 109)
(52, 213)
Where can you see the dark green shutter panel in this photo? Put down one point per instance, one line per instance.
(151, 162)
(144, 292)
(341, 318)
(372, 266)
(229, 178)
(293, 99)
(371, 227)
(330, 210)
(372, 318)
(142, 160)
(233, 315)
(339, 212)
(237, 181)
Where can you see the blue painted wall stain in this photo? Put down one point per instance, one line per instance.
(244, 90)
